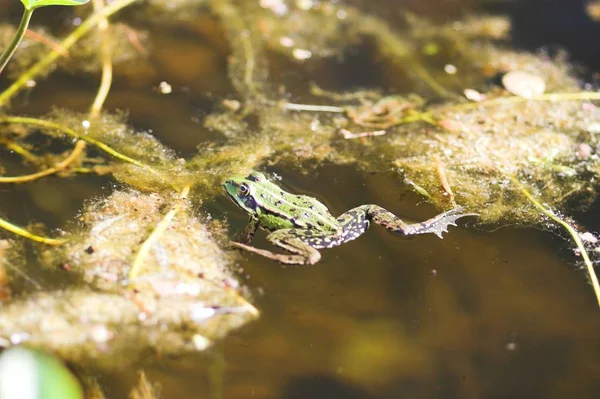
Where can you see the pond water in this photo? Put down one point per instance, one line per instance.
(487, 312)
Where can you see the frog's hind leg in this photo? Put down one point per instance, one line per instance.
(354, 223)
(436, 225)
(303, 254)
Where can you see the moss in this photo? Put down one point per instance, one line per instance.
(160, 168)
(185, 289)
(145, 389)
(28, 52)
(480, 147)
(128, 48)
(5, 290)
(106, 329)
(322, 29)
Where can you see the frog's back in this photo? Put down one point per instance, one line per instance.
(299, 211)
(278, 209)
(314, 214)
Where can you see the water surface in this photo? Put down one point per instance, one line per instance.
(483, 313)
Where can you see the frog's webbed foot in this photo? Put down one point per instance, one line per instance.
(438, 224)
(299, 258)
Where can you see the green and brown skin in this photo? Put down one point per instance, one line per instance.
(301, 224)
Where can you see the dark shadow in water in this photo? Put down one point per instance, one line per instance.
(554, 24)
(323, 387)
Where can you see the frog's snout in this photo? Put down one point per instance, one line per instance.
(230, 187)
(228, 184)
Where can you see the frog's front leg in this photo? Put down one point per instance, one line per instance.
(303, 254)
(436, 225)
(249, 231)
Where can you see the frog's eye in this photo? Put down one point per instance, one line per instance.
(244, 189)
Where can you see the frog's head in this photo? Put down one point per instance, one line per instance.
(242, 190)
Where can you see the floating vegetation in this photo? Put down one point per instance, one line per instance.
(145, 389)
(509, 135)
(481, 145)
(523, 84)
(5, 290)
(181, 282)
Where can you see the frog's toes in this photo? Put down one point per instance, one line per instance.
(442, 230)
(440, 223)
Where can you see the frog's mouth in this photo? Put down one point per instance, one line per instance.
(230, 188)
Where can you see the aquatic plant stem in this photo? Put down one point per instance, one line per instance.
(39, 38)
(24, 233)
(140, 257)
(72, 133)
(79, 147)
(19, 149)
(14, 43)
(247, 46)
(77, 34)
(105, 82)
(312, 108)
(106, 79)
(570, 230)
(440, 168)
(577, 96)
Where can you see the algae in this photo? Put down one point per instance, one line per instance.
(145, 389)
(476, 148)
(5, 290)
(152, 268)
(183, 298)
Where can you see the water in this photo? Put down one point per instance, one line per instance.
(483, 313)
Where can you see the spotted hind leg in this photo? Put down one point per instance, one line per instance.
(436, 225)
(302, 253)
(354, 223)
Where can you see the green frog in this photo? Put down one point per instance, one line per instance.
(301, 224)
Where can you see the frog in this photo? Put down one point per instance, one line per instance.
(301, 225)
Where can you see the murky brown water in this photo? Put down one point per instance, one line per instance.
(484, 313)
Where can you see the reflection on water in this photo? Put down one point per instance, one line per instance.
(480, 314)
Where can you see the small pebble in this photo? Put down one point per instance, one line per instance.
(286, 41)
(450, 69)
(200, 342)
(588, 237)
(301, 54)
(101, 333)
(473, 95)
(341, 14)
(584, 151)
(511, 346)
(165, 88)
(524, 84)
(232, 105)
